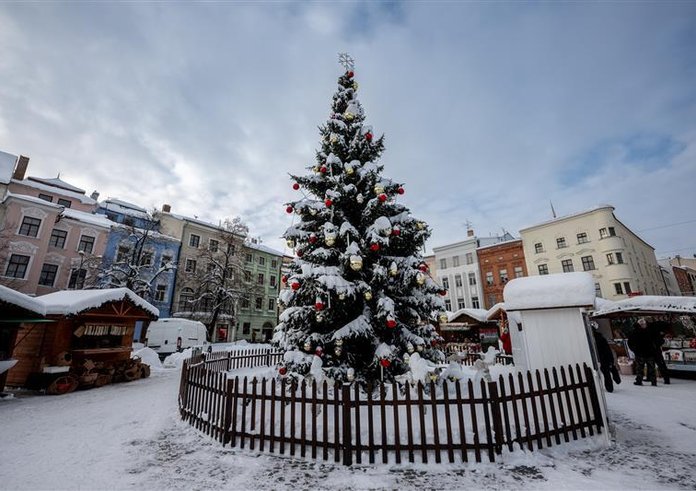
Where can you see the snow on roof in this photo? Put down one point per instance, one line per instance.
(651, 303)
(125, 208)
(603, 303)
(501, 243)
(92, 219)
(13, 297)
(55, 189)
(7, 165)
(494, 312)
(565, 217)
(124, 204)
(263, 248)
(477, 314)
(550, 291)
(58, 183)
(71, 302)
(31, 199)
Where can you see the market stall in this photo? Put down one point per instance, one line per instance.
(469, 330)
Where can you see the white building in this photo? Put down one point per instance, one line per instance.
(620, 262)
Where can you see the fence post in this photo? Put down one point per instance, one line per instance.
(594, 397)
(183, 388)
(496, 414)
(268, 357)
(229, 361)
(347, 436)
(229, 385)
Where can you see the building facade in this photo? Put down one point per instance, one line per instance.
(498, 264)
(621, 263)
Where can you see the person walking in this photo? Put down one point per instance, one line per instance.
(659, 329)
(610, 373)
(642, 343)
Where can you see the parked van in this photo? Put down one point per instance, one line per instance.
(166, 336)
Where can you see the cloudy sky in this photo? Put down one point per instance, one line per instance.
(490, 111)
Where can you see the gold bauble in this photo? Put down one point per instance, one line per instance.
(308, 346)
(349, 116)
(420, 278)
(330, 241)
(407, 358)
(349, 170)
(341, 296)
(338, 350)
(312, 211)
(333, 139)
(355, 85)
(419, 347)
(409, 348)
(420, 225)
(443, 318)
(320, 316)
(359, 198)
(379, 189)
(350, 374)
(393, 270)
(339, 342)
(367, 295)
(290, 243)
(356, 263)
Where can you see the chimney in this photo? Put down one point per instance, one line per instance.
(166, 208)
(94, 195)
(21, 168)
(470, 232)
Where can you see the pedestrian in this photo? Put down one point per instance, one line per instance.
(607, 365)
(642, 343)
(506, 341)
(659, 329)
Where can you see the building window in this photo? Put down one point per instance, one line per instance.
(582, 238)
(458, 280)
(460, 303)
(46, 197)
(249, 257)
(567, 265)
(610, 258)
(627, 287)
(213, 245)
(58, 238)
(455, 261)
(231, 249)
(122, 254)
(247, 276)
(86, 244)
(597, 290)
(262, 261)
(245, 302)
(194, 240)
(472, 279)
(618, 288)
(606, 232)
(48, 275)
(190, 266)
(519, 273)
(64, 202)
(561, 243)
(260, 279)
(272, 281)
(543, 269)
(17, 266)
(246, 328)
(445, 283)
(492, 299)
(489, 278)
(185, 299)
(271, 304)
(443, 263)
(210, 267)
(538, 248)
(166, 259)
(503, 276)
(448, 305)
(30, 227)
(259, 303)
(274, 263)
(587, 263)
(77, 279)
(469, 258)
(146, 258)
(160, 292)
(475, 303)
(619, 258)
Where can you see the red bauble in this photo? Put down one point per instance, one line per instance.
(382, 197)
(284, 279)
(374, 247)
(323, 169)
(282, 370)
(391, 323)
(312, 239)
(328, 202)
(319, 306)
(384, 362)
(433, 342)
(296, 186)
(289, 209)
(368, 136)
(299, 252)
(443, 292)
(400, 191)
(319, 351)
(349, 74)
(423, 267)
(295, 285)
(396, 232)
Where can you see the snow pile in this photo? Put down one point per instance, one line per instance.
(12, 297)
(650, 303)
(549, 291)
(70, 302)
(149, 357)
(176, 360)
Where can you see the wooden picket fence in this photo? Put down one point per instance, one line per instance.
(453, 421)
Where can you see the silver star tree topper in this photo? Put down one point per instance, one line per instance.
(346, 60)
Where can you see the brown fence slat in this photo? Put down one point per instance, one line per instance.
(583, 394)
(273, 412)
(487, 421)
(421, 415)
(383, 421)
(506, 415)
(535, 413)
(242, 432)
(346, 433)
(578, 409)
(559, 400)
(337, 428)
(448, 422)
(436, 432)
(293, 400)
(325, 414)
(358, 427)
(262, 416)
(315, 416)
(303, 427)
(409, 423)
(462, 428)
(397, 437)
(282, 417)
(552, 407)
(370, 425)
(594, 398)
(514, 398)
(474, 421)
(569, 406)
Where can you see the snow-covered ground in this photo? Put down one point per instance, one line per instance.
(129, 435)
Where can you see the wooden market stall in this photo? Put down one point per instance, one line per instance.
(89, 342)
(469, 330)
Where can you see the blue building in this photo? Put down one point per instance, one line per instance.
(135, 246)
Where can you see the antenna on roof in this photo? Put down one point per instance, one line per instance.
(553, 212)
(58, 176)
(467, 224)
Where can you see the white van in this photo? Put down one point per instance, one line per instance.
(166, 336)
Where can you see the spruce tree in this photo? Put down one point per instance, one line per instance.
(360, 299)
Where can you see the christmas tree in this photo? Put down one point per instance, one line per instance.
(361, 302)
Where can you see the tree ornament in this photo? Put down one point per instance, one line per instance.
(355, 85)
(296, 186)
(407, 358)
(356, 262)
(400, 190)
(349, 170)
(443, 292)
(333, 138)
(290, 243)
(282, 370)
(374, 247)
(367, 295)
(295, 285)
(409, 348)
(379, 189)
(313, 211)
(419, 347)
(382, 197)
(420, 225)
(423, 267)
(339, 342)
(328, 202)
(312, 238)
(284, 279)
(319, 351)
(320, 316)
(396, 231)
(385, 362)
(338, 350)
(349, 116)
(350, 374)
(368, 136)
(360, 198)
(393, 269)
(420, 278)
(391, 322)
(341, 296)
(433, 377)
(316, 168)
(433, 343)
(443, 318)
(330, 238)
(299, 252)
(349, 74)
(307, 346)
(289, 209)
(323, 169)
(318, 304)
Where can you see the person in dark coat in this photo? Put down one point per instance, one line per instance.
(606, 361)
(659, 329)
(642, 343)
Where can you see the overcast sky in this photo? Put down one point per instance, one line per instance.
(490, 111)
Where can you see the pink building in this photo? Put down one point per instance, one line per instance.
(49, 237)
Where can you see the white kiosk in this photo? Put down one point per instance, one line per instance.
(547, 319)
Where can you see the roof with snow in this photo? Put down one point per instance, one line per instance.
(56, 189)
(124, 208)
(263, 248)
(570, 215)
(562, 290)
(479, 315)
(649, 304)
(12, 297)
(496, 311)
(7, 165)
(57, 182)
(32, 199)
(501, 243)
(72, 302)
(92, 219)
